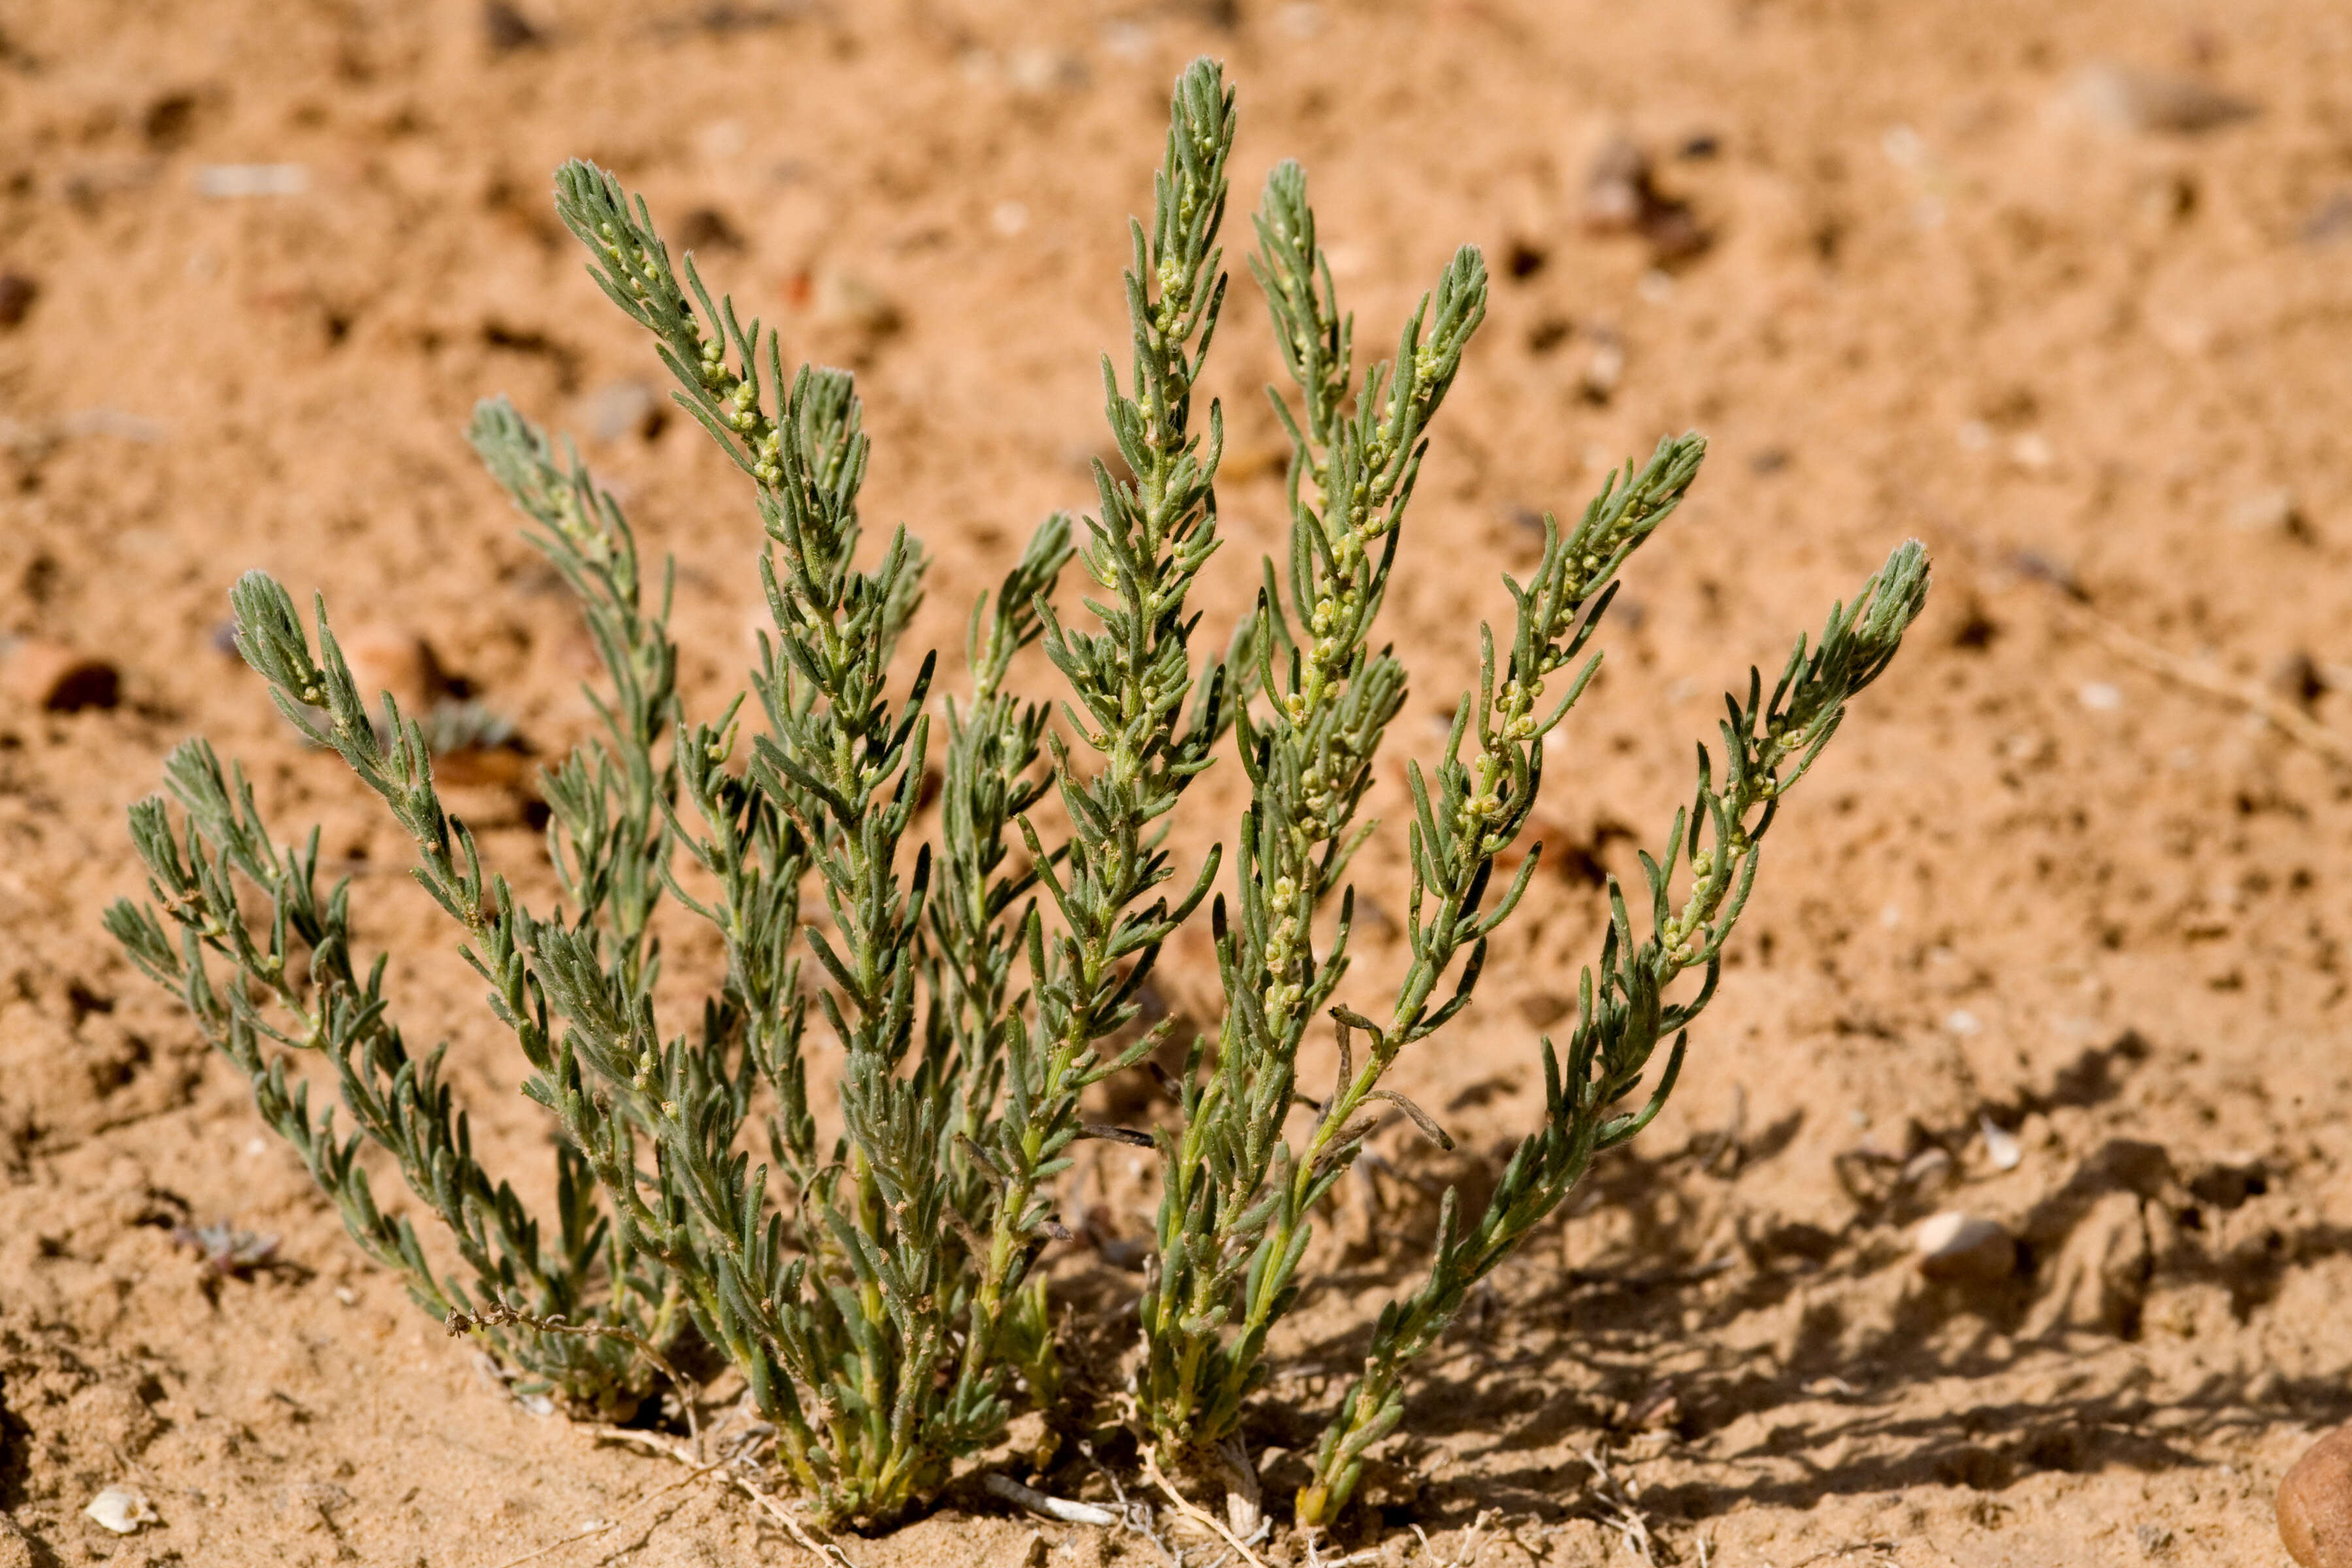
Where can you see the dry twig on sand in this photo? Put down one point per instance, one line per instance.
(1315, 1559)
(2198, 675)
(1883, 1546)
(1136, 1518)
(1467, 1553)
(1617, 1510)
(605, 1527)
(1198, 1515)
(826, 1550)
(1053, 1508)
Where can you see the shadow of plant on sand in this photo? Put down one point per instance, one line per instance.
(1779, 1363)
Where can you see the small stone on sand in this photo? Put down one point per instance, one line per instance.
(1963, 1249)
(17, 293)
(386, 659)
(2136, 100)
(52, 676)
(1929, 1171)
(120, 1510)
(2315, 1504)
(2001, 1144)
(621, 408)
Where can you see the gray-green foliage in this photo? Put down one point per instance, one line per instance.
(874, 1273)
(240, 900)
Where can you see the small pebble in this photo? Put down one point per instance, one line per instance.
(1929, 1171)
(2001, 1144)
(2270, 511)
(1961, 1248)
(120, 1510)
(2135, 100)
(844, 298)
(111, 422)
(1038, 69)
(1614, 186)
(386, 659)
(17, 293)
(620, 408)
(1544, 1009)
(1604, 370)
(2330, 220)
(2315, 1504)
(2299, 680)
(505, 29)
(52, 676)
(723, 139)
(1621, 195)
(233, 181)
(1661, 1409)
(706, 229)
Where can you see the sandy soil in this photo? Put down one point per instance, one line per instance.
(1959, 280)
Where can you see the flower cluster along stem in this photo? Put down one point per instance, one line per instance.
(1130, 685)
(1331, 697)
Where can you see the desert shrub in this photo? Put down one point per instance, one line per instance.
(875, 1276)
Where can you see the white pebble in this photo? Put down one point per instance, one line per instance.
(234, 180)
(2100, 697)
(1928, 1169)
(1963, 1247)
(2264, 512)
(2001, 1145)
(120, 1510)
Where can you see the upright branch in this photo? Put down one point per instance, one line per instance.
(981, 918)
(1330, 696)
(1130, 682)
(607, 834)
(1767, 746)
(397, 1102)
(864, 1319)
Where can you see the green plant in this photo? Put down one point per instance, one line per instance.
(1237, 1193)
(973, 985)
